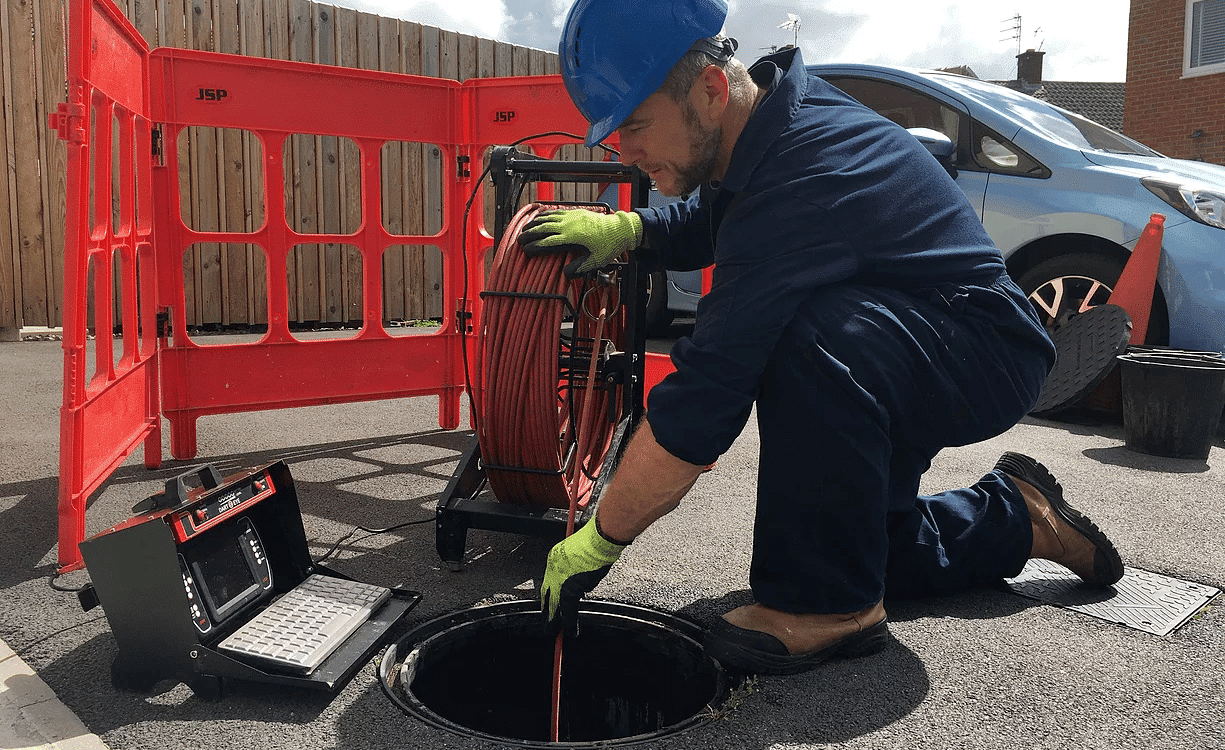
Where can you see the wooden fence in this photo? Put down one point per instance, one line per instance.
(220, 176)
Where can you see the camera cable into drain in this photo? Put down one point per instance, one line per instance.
(603, 286)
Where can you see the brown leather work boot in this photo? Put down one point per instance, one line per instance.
(1061, 533)
(756, 638)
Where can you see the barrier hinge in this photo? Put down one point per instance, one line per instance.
(463, 318)
(68, 120)
(158, 153)
(163, 324)
(461, 166)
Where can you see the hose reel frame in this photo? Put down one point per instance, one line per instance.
(471, 500)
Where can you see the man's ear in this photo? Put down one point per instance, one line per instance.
(710, 94)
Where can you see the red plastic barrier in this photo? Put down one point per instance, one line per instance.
(113, 77)
(658, 366)
(275, 99)
(110, 410)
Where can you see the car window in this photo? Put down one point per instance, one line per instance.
(995, 153)
(1084, 134)
(1051, 122)
(1067, 127)
(905, 106)
(1102, 138)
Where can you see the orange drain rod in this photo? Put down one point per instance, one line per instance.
(525, 398)
(555, 707)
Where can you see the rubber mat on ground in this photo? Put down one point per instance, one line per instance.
(1145, 601)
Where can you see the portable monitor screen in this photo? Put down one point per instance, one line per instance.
(225, 570)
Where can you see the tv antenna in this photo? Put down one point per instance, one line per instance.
(1014, 30)
(793, 23)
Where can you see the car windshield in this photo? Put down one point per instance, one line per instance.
(1084, 133)
(1053, 122)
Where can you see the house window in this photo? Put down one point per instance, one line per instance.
(1205, 43)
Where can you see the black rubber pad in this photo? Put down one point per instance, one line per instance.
(1085, 351)
(1141, 600)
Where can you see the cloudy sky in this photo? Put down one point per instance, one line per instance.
(1082, 41)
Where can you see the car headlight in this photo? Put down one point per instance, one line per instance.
(1205, 206)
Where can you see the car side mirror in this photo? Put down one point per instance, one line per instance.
(938, 145)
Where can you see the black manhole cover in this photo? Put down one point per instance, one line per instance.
(631, 675)
(1085, 350)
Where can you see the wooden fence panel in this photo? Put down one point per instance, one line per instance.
(429, 213)
(253, 43)
(448, 67)
(327, 175)
(351, 47)
(143, 15)
(29, 249)
(276, 47)
(207, 184)
(414, 179)
(391, 180)
(221, 170)
(486, 67)
(304, 273)
(10, 286)
(232, 194)
(48, 31)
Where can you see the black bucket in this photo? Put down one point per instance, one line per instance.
(631, 675)
(1172, 401)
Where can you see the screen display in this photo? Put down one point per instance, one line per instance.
(224, 571)
(226, 574)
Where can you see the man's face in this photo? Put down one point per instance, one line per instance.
(668, 141)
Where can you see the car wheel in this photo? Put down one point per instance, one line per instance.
(658, 316)
(1067, 285)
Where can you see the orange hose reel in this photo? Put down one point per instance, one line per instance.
(541, 402)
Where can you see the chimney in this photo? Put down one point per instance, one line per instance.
(1029, 67)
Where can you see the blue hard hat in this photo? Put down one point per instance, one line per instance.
(616, 53)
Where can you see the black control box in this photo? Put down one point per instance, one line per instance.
(195, 564)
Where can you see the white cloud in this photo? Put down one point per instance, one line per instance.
(1082, 41)
(483, 18)
(1086, 42)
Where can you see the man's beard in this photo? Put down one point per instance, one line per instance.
(703, 153)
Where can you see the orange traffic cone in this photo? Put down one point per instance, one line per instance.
(1134, 290)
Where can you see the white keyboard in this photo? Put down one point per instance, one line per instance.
(303, 627)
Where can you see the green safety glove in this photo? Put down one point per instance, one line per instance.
(576, 564)
(597, 238)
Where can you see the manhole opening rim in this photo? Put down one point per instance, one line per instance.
(390, 667)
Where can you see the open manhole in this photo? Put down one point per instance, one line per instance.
(630, 675)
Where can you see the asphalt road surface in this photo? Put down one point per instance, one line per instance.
(986, 669)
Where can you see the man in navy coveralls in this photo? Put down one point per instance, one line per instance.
(857, 302)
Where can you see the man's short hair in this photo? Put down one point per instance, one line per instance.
(680, 79)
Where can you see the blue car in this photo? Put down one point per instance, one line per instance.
(1064, 199)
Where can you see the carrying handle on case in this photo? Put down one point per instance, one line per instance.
(176, 491)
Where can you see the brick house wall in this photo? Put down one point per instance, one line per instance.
(1180, 117)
